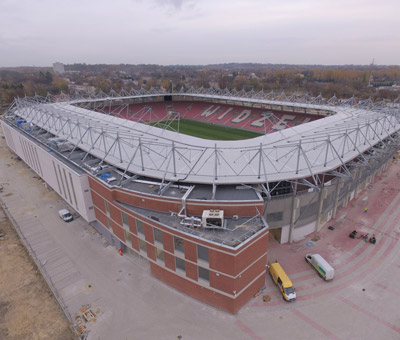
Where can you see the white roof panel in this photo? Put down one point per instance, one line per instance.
(298, 152)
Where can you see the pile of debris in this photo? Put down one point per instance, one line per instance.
(85, 316)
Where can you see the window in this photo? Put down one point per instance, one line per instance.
(275, 216)
(140, 228)
(125, 221)
(73, 189)
(160, 255)
(128, 239)
(204, 274)
(158, 235)
(180, 264)
(142, 245)
(202, 253)
(178, 244)
(107, 209)
(109, 223)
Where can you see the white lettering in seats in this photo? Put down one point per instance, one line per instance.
(209, 111)
(242, 116)
(282, 124)
(225, 113)
(260, 122)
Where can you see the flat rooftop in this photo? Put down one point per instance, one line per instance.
(236, 233)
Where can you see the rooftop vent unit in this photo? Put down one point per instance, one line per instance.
(213, 219)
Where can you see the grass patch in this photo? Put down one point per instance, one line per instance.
(209, 131)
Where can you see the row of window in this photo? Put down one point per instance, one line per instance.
(179, 245)
(180, 263)
(203, 273)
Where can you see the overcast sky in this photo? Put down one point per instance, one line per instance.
(40, 32)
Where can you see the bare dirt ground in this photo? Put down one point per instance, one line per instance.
(28, 310)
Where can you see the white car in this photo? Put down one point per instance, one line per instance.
(65, 215)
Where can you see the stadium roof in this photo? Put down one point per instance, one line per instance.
(302, 151)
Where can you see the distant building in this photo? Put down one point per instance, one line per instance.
(81, 88)
(253, 76)
(58, 68)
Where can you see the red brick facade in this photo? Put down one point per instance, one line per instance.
(234, 274)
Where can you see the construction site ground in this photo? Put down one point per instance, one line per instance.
(125, 302)
(28, 309)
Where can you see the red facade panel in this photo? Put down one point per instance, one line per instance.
(190, 288)
(191, 271)
(101, 189)
(98, 202)
(115, 214)
(222, 262)
(169, 261)
(148, 233)
(252, 252)
(248, 293)
(190, 251)
(101, 217)
(146, 201)
(118, 231)
(168, 241)
(132, 224)
(250, 273)
(221, 282)
(135, 243)
(151, 251)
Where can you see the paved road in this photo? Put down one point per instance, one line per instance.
(360, 303)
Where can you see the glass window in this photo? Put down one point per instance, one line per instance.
(107, 209)
(142, 245)
(109, 223)
(140, 228)
(180, 264)
(160, 255)
(179, 244)
(125, 221)
(158, 235)
(202, 253)
(128, 239)
(204, 273)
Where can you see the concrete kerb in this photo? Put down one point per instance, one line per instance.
(39, 265)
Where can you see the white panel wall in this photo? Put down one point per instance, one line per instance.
(301, 232)
(71, 186)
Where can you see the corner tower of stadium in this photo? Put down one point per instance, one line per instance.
(201, 210)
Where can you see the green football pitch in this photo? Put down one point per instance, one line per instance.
(207, 130)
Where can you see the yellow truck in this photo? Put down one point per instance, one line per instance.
(281, 279)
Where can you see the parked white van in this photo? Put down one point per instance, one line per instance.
(323, 268)
(65, 215)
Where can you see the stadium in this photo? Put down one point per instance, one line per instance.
(197, 181)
